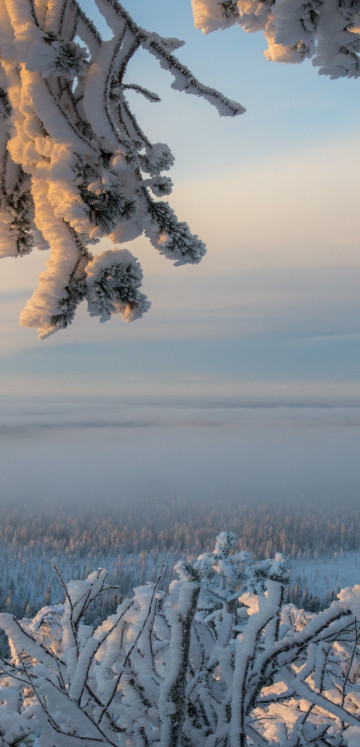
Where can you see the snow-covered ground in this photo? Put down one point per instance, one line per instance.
(326, 572)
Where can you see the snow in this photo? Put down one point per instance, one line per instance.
(352, 736)
(123, 276)
(327, 32)
(350, 597)
(326, 572)
(208, 16)
(70, 127)
(156, 661)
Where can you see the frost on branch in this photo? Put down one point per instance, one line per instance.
(113, 280)
(328, 31)
(220, 659)
(75, 163)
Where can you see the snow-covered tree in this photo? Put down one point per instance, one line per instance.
(219, 659)
(328, 31)
(75, 163)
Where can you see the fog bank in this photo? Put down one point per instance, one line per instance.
(103, 452)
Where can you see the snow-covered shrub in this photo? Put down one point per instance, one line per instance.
(219, 659)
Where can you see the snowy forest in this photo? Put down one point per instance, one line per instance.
(130, 628)
(132, 544)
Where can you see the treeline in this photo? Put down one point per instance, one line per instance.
(181, 525)
(135, 541)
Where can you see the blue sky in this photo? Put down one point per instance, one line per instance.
(272, 312)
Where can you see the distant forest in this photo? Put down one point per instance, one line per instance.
(134, 541)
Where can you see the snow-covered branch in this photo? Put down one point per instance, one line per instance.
(75, 163)
(327, 31)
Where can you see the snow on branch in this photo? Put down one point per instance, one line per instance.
(75, 164)
(218, 659)
(327, 31)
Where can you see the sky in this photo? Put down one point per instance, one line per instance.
(272, 312)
